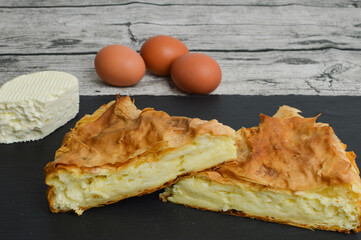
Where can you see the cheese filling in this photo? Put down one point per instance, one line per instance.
(32, 106)
(332, 206)
(78, 191)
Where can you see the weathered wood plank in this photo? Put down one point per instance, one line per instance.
(326, 72)
(230, 28)
(50, 3)
(264, 47)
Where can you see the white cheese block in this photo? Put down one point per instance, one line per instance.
(33, 106)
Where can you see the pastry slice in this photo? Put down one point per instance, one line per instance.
(289, 170)
(120, 151)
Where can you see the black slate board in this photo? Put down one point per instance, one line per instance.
(24, 212)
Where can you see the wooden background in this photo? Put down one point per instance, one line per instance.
(263, 47)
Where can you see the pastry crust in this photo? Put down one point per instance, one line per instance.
(118, 132)
(289, 152)
(119, 135)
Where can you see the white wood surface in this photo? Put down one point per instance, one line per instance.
(263, 47)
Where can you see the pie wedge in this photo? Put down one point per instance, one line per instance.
(289, 170)
(120, 151)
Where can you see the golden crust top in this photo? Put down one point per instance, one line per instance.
(289, 152)
(118, 132)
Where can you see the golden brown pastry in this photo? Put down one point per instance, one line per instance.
(120, 151)
(290, 170)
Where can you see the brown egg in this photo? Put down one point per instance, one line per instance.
(119, 65)
(196, 73)
(159, 52)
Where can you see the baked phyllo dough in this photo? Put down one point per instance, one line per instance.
(289, 170)
(120, 151)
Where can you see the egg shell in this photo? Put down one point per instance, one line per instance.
(119, 65)
(196, 73)
(160, 51)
